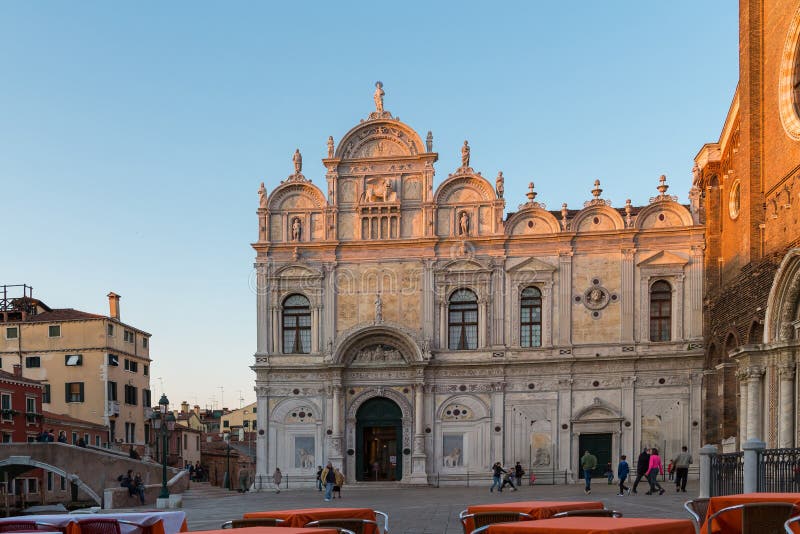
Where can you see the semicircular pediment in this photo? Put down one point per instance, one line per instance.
(379, 139)
(464, 188)
(662, 215)
(296, 196)
(532, 221)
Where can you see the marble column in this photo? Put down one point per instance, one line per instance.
(442, 323)
(263, 320)
(418, 457)
(482, 326)
(565, 298)
(786, 406)
(754, 408)
(628, 299)
(262, 422)
(428, 300)
(742, 375)
(335, 442)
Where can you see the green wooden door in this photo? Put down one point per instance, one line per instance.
(600, 446)
(379, 440)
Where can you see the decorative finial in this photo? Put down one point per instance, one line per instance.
(628, 210)
(330, 146)
(262, 196)
(662, 185)
(597, 191)
(531, 194)
(429, 141)
(378, 96)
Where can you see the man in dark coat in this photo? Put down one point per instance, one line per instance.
(642, 464)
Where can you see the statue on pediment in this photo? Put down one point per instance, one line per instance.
(297, 159)
(465, 154)
(378, 97)
(262, 196)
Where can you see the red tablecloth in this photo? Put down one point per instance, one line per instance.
(536, 509)
(732, 521)
(154, 522)
(275, 530)
(301, 517)
(596, 525)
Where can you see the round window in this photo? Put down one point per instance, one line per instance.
(735, 200)
(789, 80)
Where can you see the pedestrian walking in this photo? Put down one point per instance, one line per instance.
(329, 479)
(653, 472)
(671, 470)
(497, 475)
(588, 464)
(518, 473)
(609, 473)
(319, 478)
(337, 487)
(244, 479)
(622, 472)
(682, 463)
(642, 465)
(277, 476)
(507, 479)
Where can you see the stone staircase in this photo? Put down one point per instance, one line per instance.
(204, 490)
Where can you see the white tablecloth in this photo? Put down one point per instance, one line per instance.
(172, 520)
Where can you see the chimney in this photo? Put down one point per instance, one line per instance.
(113, 305)
(18, 370)
(197, 410)
(184, 407)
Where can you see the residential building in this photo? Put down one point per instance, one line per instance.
(20, 407)
(93, 367)
(407, 330)
(190, 418)
(244, 420)
(750, 184)
(92, 434)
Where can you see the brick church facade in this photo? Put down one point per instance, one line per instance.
(749, 186)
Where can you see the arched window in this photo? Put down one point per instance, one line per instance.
(756, 334)
(730, 343)
(296, 325)
(463, 320)
(530, 318)
(660, 311)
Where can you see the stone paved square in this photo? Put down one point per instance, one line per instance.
(424, 510)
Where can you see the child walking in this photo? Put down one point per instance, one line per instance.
(622, 472)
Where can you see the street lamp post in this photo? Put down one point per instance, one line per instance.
(163, 423)
(227, 461)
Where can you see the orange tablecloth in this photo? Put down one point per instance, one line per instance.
(275, 530)
(732, 522)
(154, 522)
(596, 525)
(303, 516)
(536, 509)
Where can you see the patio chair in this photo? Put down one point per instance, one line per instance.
(28, 526)
(255, 522)
(697, 508)
(760, 517)
(596, 512)
(385, 520)
(99, 526)
(350, 524)
(788, 525)
(482, 519)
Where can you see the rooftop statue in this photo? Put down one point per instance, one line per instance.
(465, 154)
(297, 159)
(378, 97)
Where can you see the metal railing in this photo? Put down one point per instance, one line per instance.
(727, 473)
(779, 470)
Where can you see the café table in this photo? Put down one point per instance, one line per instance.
(155, 522)
(732, 521)
(274, 530)
(302, 516)
(535, 509)
(596, 525)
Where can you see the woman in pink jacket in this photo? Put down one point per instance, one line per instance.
(653, 471)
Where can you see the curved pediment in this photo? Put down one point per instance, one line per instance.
(463, 265)
(597, 218)
(294, 196)
(296, 270)
(663, 214)
(379, 139)
(532, 221)
(599, 410)
(464, 188)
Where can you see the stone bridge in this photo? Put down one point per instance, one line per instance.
(89, 469)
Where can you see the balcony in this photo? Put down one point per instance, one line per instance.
(112, 408)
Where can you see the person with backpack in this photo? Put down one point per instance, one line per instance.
(588, 464)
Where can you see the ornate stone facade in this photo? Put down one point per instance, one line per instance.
(747, 188)
(497, 337)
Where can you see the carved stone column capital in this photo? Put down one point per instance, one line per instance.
(787, 371)
(754, 373)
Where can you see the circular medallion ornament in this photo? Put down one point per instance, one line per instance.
(596, 297)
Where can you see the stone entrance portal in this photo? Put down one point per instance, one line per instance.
(379, 438)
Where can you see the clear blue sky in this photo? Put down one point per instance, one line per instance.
(133, 136)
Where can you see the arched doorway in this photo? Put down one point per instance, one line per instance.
(379, 440)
